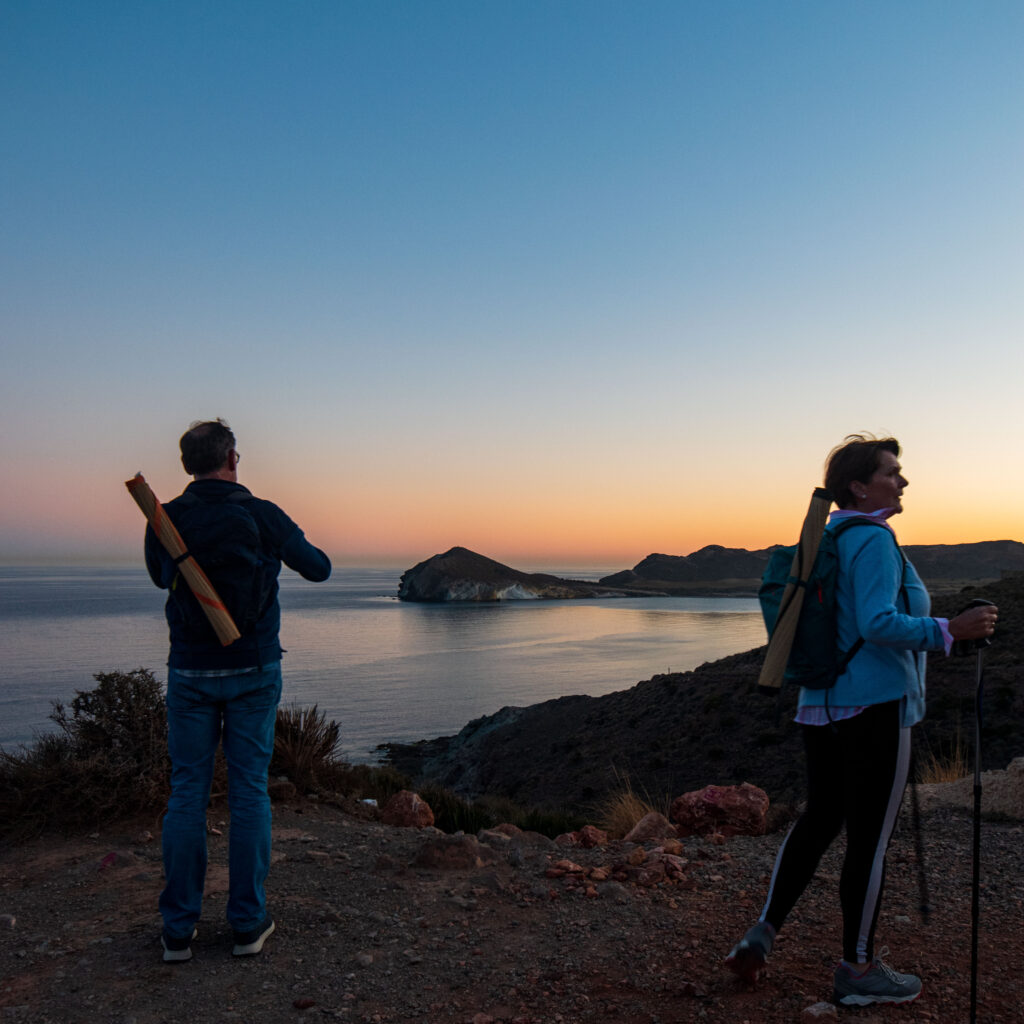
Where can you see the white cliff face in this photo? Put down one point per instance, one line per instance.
(473, 590)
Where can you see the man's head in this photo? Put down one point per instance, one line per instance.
(208, 448)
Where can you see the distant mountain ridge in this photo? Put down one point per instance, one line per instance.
(982, 560)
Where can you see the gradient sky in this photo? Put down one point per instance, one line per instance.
(564, 282)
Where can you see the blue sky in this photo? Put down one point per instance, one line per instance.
(559, 281)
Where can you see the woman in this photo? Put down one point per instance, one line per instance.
(858, 744)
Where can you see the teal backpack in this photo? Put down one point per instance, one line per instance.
(815, 659)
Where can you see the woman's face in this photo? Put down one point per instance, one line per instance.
(884, 489)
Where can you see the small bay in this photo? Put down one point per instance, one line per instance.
(385, 670)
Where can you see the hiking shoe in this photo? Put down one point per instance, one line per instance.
(749, 954)
(878, 984)
(176, 950)
(251, 943)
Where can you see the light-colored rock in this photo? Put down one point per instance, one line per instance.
(816, 1010)
(651, 828)
(453, 853)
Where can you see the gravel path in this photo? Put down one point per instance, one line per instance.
(367, 933)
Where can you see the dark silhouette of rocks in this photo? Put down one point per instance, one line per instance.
(679, 732)
(710, 563)
(463, 575)
(985, 560)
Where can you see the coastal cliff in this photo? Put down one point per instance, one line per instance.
(462, 575)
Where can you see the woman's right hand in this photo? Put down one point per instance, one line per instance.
(974, 623)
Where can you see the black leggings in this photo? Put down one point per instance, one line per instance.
(856, 774)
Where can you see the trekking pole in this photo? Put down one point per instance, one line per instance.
(965, 647)
(976, 856)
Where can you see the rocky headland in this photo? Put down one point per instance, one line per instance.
(463, 575)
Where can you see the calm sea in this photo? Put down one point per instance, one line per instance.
(383, 669)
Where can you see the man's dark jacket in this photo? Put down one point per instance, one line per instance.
(282, 541)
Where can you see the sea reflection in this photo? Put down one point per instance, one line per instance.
(384, 669)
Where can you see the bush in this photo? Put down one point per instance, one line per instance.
(107, 760)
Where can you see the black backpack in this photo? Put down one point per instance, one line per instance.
(815, 659)
(224, 538)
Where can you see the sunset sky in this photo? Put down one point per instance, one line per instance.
(563, 282)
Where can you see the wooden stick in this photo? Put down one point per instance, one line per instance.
(781, 643)
(199, 583)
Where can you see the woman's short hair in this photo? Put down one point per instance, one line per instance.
(856, 459)
(205, 446)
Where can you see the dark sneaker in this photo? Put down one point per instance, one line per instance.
(251, 943)
(878, 984)
(749, 954)
(176, 950)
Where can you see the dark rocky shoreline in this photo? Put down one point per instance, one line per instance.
(681, 731)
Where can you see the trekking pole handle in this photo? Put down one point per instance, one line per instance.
(961, 648)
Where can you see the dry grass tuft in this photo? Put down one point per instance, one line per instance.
(947, 765)
(621, 809)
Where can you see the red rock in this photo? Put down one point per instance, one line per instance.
(588, 837)
(726, 810)
(407, 810)
(569, 867)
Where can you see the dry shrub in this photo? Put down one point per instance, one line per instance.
(107, 760)
(307, 749)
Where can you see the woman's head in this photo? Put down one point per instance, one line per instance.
(864, 473)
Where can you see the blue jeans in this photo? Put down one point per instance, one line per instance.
(202, 711)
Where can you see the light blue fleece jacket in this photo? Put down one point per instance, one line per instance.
(891, 663)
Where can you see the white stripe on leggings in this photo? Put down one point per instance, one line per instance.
(873, 893)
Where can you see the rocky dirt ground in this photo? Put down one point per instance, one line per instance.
(382, 924)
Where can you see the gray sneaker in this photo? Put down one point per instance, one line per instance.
(749, 954)
(878, 984)
(177, 950)
(251, 943)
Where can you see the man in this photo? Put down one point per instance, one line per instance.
(219, 694)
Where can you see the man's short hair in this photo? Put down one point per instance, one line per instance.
(205, 446)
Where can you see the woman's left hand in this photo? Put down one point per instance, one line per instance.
(974, 623)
